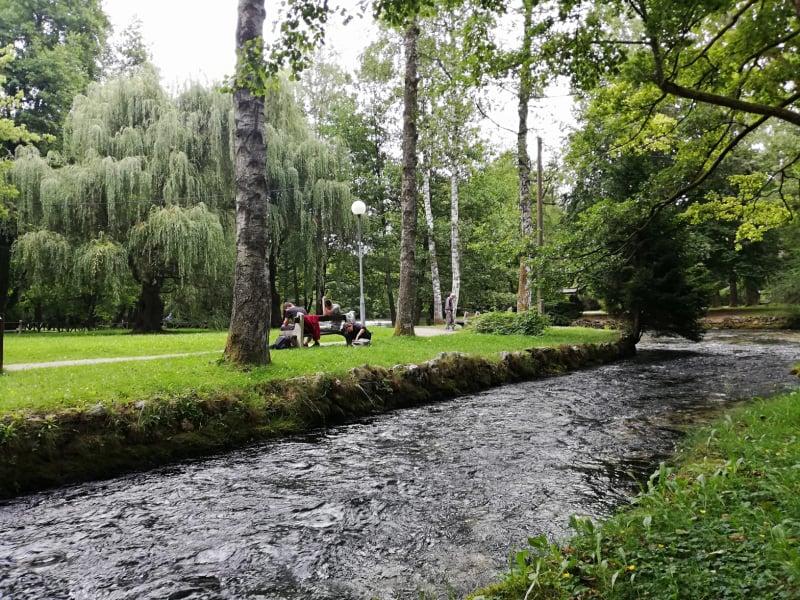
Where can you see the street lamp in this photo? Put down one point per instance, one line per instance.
(358, 208)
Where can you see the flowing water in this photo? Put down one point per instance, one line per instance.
(429, 499)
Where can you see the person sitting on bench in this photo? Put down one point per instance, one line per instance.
(356, 333)
(329, 309)
(310, 322)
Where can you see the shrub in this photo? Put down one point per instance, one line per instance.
(508, 323)
(496, 322)
(564, 312)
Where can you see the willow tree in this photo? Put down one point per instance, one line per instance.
(142, 175)
(309, 193)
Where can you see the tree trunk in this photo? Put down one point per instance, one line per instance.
(5, 271)
(751, 294)
(455, 243)
(438, 317)
(733, 298)
(523, 159)
(275, 299)
(249, 329)
(539, 221)
(407, 296)
(149, 308)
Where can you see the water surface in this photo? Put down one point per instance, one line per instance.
(430, 499)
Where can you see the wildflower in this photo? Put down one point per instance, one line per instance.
(566, 575)
(631, 567)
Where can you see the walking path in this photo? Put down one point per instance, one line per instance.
(420, 331)
(98, 361)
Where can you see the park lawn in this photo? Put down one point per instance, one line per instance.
(778, 310)
(46, 347)
(723, 523)
(51, 389)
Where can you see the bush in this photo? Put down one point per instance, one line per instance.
(564, 312)
(508, 323)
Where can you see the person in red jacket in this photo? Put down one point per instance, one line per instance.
(310, 322)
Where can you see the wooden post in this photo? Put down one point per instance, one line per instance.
(539, 219)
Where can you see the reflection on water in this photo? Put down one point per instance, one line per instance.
(432, 498)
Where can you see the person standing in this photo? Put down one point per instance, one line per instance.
(450, 323)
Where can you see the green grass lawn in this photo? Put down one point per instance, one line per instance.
(725, 523)
(54, 388)
(46, 347)
(760, 309)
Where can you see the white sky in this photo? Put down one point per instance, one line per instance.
(194, 40)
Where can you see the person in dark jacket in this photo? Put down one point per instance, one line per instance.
(356, 333)
(450, 322)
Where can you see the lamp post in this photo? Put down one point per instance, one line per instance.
(358, 208)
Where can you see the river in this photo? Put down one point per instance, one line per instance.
(431, 499)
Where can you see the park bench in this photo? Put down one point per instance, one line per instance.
(335, 325)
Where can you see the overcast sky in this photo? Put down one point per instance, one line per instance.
(194, 40)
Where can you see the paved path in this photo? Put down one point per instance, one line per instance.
(98, 361)
(421, 332)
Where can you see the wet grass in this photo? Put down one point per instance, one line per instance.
(724, 523)
(51, 389)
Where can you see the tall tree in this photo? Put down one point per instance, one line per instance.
(250, 317)
(130, 52)
(141, 176)
(523, 158)
(58, 47)
(434, 262)
(10, 135)
(407, 294)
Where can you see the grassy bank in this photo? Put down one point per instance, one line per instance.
(724, 523)
(71, 424)
(44, 390)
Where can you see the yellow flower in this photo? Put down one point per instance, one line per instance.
(566, 575)
(631, 567)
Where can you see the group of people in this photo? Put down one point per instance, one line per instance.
(353, 332)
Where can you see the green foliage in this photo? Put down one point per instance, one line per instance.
(178, 243)
(564, 312)
(58, 47)
(722, 524)
(528, 322)
(647, 268)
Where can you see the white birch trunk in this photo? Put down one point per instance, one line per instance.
(455, 252)
(435, 281)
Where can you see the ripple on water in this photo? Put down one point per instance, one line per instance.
(432, 498)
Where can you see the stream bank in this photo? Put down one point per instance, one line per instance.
(431, 499)
(42, 451)
(723, 522)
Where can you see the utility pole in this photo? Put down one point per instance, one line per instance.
(539, 219)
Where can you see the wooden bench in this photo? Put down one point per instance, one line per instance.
(337, 325)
